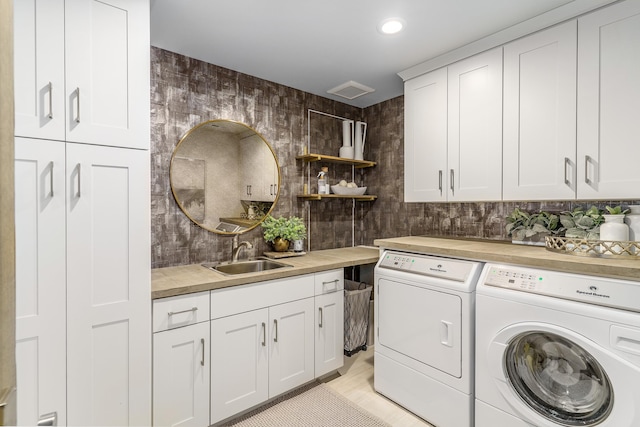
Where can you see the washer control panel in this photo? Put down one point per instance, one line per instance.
(608, 292)
(508, 278)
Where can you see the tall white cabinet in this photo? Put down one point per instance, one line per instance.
(108, 286)
(453, 139)
(608, 152)
(540, 115)
(41, 279)
(82, 211)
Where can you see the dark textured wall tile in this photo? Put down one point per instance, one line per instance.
(186, 92)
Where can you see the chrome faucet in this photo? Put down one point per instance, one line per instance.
(236, 247)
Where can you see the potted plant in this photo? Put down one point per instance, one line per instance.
(581, 224)
(281, 231)
(530, 229)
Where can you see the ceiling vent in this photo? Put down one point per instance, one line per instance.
(350, 90)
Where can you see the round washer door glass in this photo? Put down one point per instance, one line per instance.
(558, 379)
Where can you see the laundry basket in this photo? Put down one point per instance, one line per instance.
(356, 316)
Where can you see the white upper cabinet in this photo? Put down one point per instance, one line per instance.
(82, 71)
(540, 115)
(474, 140)
(453, 139)
(39, 69)
(425, 137)
(608, 106)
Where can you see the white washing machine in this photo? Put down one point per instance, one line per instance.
(556, 349)
(423, 353)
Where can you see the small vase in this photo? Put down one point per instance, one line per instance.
(614, 230)
(298, 245)
(280, 245)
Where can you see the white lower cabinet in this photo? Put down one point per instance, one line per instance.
(181, 360)
(240, 364)
(329, 326)
(266, 338)
(291, 344)
(181, 376)
(260, 354)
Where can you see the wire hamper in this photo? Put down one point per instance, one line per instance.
(356, 316)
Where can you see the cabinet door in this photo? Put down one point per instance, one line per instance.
(329, 332)
(425, 137)
(181, 363)
(40, 279)
(608, 94)
(107, 72)
(540, 115)
(475, 128)
(291, 353)
(39, 68)
(108, 286)
(239, 363)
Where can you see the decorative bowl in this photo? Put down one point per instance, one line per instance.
(346, 191)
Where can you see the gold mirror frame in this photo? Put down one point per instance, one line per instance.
(225, 176)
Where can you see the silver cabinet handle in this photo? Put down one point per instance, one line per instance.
(320, 321)
(172, 313)
(275, 336)
(50, 419)
(452, 176)
(587, 159)
(264, 334)
(202, 343)
(440, 181)
(78, 104)
(566, 163)
(330, 281)
(51, 182)
(50, 115)
(79, 180)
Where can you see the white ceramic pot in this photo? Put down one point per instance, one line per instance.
(614, 230)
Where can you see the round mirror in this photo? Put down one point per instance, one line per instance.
(225, 176)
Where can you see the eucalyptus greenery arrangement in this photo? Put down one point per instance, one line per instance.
(616, 210)
(582, 224)
(290, 229)
(521, 224)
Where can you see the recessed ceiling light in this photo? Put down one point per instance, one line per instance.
(391, 26)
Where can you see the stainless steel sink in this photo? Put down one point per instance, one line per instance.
(242, 267)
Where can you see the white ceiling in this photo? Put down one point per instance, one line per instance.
(315, 46)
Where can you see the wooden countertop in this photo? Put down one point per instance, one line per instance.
(508, 253)
(172, 281)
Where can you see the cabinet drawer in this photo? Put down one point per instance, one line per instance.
(183, 310)
(239, 299)
(329, 281)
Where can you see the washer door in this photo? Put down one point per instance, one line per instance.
(558, 379)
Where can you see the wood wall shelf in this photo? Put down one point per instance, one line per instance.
(363, 198)
(358, 164)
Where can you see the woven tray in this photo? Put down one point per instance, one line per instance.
(593, 248)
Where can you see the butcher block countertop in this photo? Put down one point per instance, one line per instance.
(508, 253)
(186, 279)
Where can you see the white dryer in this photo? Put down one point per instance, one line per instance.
(423, 353)
(556, 349)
